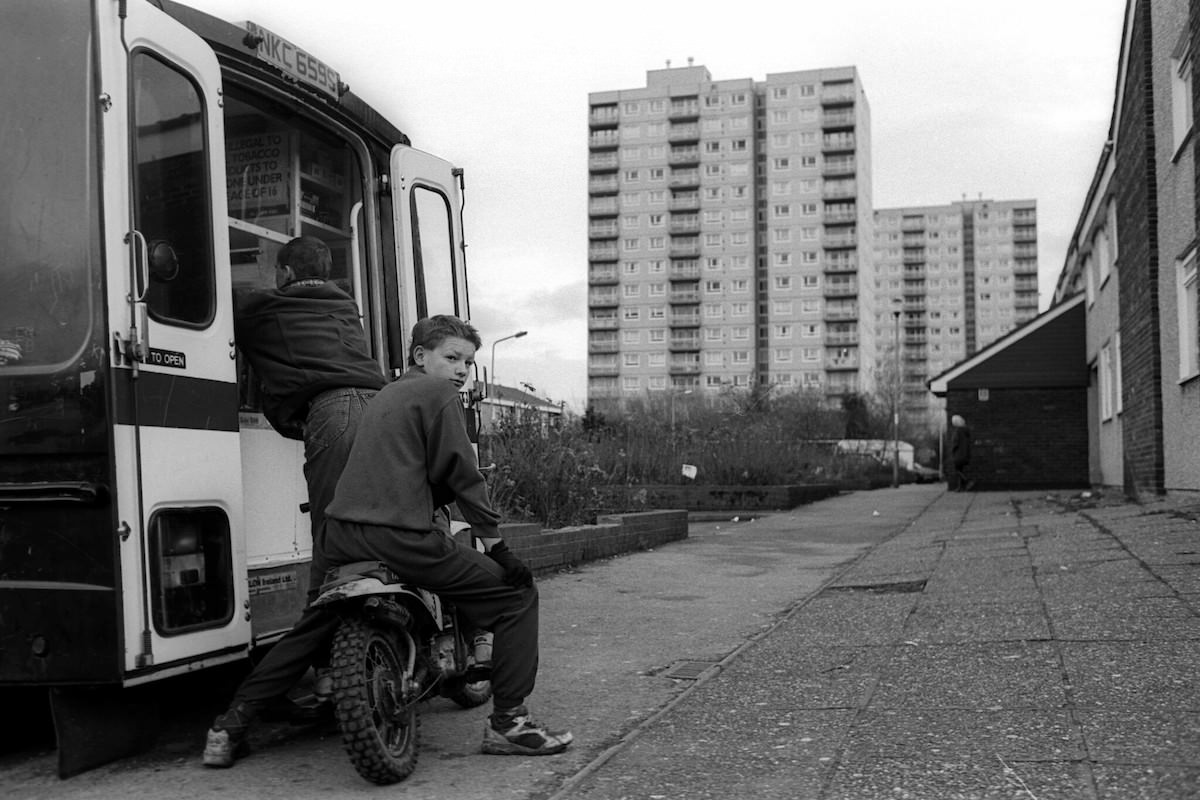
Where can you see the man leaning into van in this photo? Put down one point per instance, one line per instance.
(306, 345)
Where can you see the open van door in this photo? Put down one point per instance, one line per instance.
(178, 470)
(431, 256)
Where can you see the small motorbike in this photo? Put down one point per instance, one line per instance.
(396, 645)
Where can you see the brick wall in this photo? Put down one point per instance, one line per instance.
(1025, 438)
(1137, 267)
(546, 551)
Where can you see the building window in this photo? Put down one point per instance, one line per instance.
(658, 290)
(632, 359)
(712, 287)
(658, 312)
(657, 335)
(712, 359)
(657, 359)
(632, 289)
(783, 282)
(740, 309)
(631, 337)
(781, 163)
(630, 267)
(658, 382)
(631, 314)
(1189, 329)
(1106, 382)
(630, 384)
(1181, 89)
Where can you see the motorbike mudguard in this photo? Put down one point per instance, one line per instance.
(365, 586)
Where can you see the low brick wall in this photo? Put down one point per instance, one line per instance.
(549, 550)
(717, 498)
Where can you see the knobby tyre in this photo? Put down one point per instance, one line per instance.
(380, 726)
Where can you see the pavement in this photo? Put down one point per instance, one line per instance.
(997, 646)
(896, 643)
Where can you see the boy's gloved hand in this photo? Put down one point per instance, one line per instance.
(516, 571)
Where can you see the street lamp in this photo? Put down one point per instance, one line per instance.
(896, 307)
(492, 374)
(685, 393)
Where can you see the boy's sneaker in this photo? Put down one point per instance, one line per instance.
(521, 736)
(224, 747)
(226, 741)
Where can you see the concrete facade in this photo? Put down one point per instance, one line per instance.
(729, 236)
(949, 280)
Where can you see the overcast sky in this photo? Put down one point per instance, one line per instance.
(1004, 100)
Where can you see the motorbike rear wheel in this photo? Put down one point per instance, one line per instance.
(375, 701)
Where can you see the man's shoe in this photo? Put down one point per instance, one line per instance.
(521, 736)
(224, 747)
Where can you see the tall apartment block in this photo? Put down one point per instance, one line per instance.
(729, 234)
(949, 281)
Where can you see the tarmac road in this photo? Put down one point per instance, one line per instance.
(901, 643)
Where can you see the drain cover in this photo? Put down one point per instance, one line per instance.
(903, 587)
(689, 670)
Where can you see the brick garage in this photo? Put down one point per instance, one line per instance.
(1025, 400)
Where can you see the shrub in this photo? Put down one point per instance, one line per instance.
(553, 475)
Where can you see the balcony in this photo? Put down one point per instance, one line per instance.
(603, 140)
(684, 319)
(684, 367)
(838, 361)
(833, 240)
(685, 270)
(1024, 233)
(836, 265)
(603, 207)
(683, 156)
(684, 178)
(837, 142)
(838, 118)
(603, 298)
(914, 256)
(603, 229)
(683, 133)
(603, 344)
(602, 370)
(603, 162)
(602, 275)
(684, 201)
(1024, 216)
(841, 288)
(837, 94)
(1025, 251)
(684, 248)
(603, 321)
(684, 109)
(914, 223)
(839, 189)
(911, 304)
(684, 296)
(602, 253)
(841, 312)
(839, 166)
(684, 223)
(840, 216)
(604, 116)
(840, 338)
(603, 184)
(682, 344)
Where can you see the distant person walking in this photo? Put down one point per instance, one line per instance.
(960, 455)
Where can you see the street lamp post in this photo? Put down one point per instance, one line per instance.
(492, 372)
(896, 397)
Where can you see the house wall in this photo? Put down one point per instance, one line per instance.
(1137, 232)
(1175, 171)
(1025, 438)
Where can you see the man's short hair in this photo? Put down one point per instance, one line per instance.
(308, 257)
(432, 331)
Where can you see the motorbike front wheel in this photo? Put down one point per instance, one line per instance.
(374, 700)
